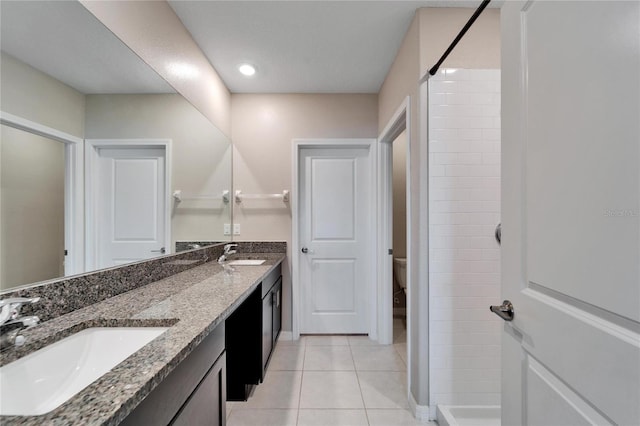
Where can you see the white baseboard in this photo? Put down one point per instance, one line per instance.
(422, 413)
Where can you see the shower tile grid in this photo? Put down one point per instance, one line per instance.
(331, 380)
(464, 209)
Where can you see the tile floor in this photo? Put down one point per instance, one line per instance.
(331, 381)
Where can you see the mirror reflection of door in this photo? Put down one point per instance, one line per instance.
(32, 179)
(63, 70)
(132, 202)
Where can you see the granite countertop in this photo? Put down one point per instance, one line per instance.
(192, 303)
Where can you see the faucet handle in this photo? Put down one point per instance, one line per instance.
(228, 247)
(11, 307)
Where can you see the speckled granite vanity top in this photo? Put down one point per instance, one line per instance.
(192, 303)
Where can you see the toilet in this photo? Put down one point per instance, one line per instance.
(400, 272)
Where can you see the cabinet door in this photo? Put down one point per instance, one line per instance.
(168, 398)
(267, 331)
(207, 404)
(276, 299)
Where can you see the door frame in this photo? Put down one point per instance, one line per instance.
(298, 145)
(399, 122)
(91, 188)
(74, 263)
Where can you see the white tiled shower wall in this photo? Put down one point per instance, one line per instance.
(464, 209)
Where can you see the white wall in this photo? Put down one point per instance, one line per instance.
(201, 154)
(478, 49)
(464, 209)
(263, 129)
(402, 81)
(428, 36)
(34, 95)
(32, 208)
(155, 33)
(32, 214)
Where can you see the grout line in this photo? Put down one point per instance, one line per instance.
(355, 369)
(366, 415)
(304, 357)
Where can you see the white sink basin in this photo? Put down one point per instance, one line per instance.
(45, 379)
(247, 262)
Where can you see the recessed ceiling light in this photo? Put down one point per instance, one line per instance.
(247, 69)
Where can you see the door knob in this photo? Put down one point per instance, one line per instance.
(504, 311)
(162, 250)
(305, 250)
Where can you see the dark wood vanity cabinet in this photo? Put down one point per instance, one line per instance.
(271, 319)
(277, 310)
(207, 403)
(252, 330)
(194, 393)
(244, 347)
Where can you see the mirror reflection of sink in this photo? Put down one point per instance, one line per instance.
(247, 262)
(43, 380)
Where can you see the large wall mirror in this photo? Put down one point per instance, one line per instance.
(101, 162)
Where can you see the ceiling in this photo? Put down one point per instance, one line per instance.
(298, 46)
(302, 46)
(64, 40)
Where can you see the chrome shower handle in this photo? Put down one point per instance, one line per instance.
(504, 311)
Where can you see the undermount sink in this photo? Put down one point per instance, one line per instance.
(247, 262)
(43, 380)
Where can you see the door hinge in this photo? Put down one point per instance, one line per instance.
(66, 252)
(390, 251)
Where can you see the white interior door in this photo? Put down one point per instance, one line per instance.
(132, 199)
(571, 209)
(336, 238)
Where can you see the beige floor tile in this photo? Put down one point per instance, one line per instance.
(330, 389)
(401, 348)
(394, 418)
(332, 418)
(361, 341)
(263, 417)
(287, 358)
(399, 322)
(400, 336)
(229, 408)
(377, 358)
(281, 389)
(326, 340)
(328, 358)
(384, 389)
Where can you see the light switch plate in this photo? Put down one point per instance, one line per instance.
(236, 229)
(227, 229)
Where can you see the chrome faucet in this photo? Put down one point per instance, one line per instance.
(12, 323)
(228, 249)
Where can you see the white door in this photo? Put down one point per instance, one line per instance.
(571, 209)
(336, 237)
(131, 205)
